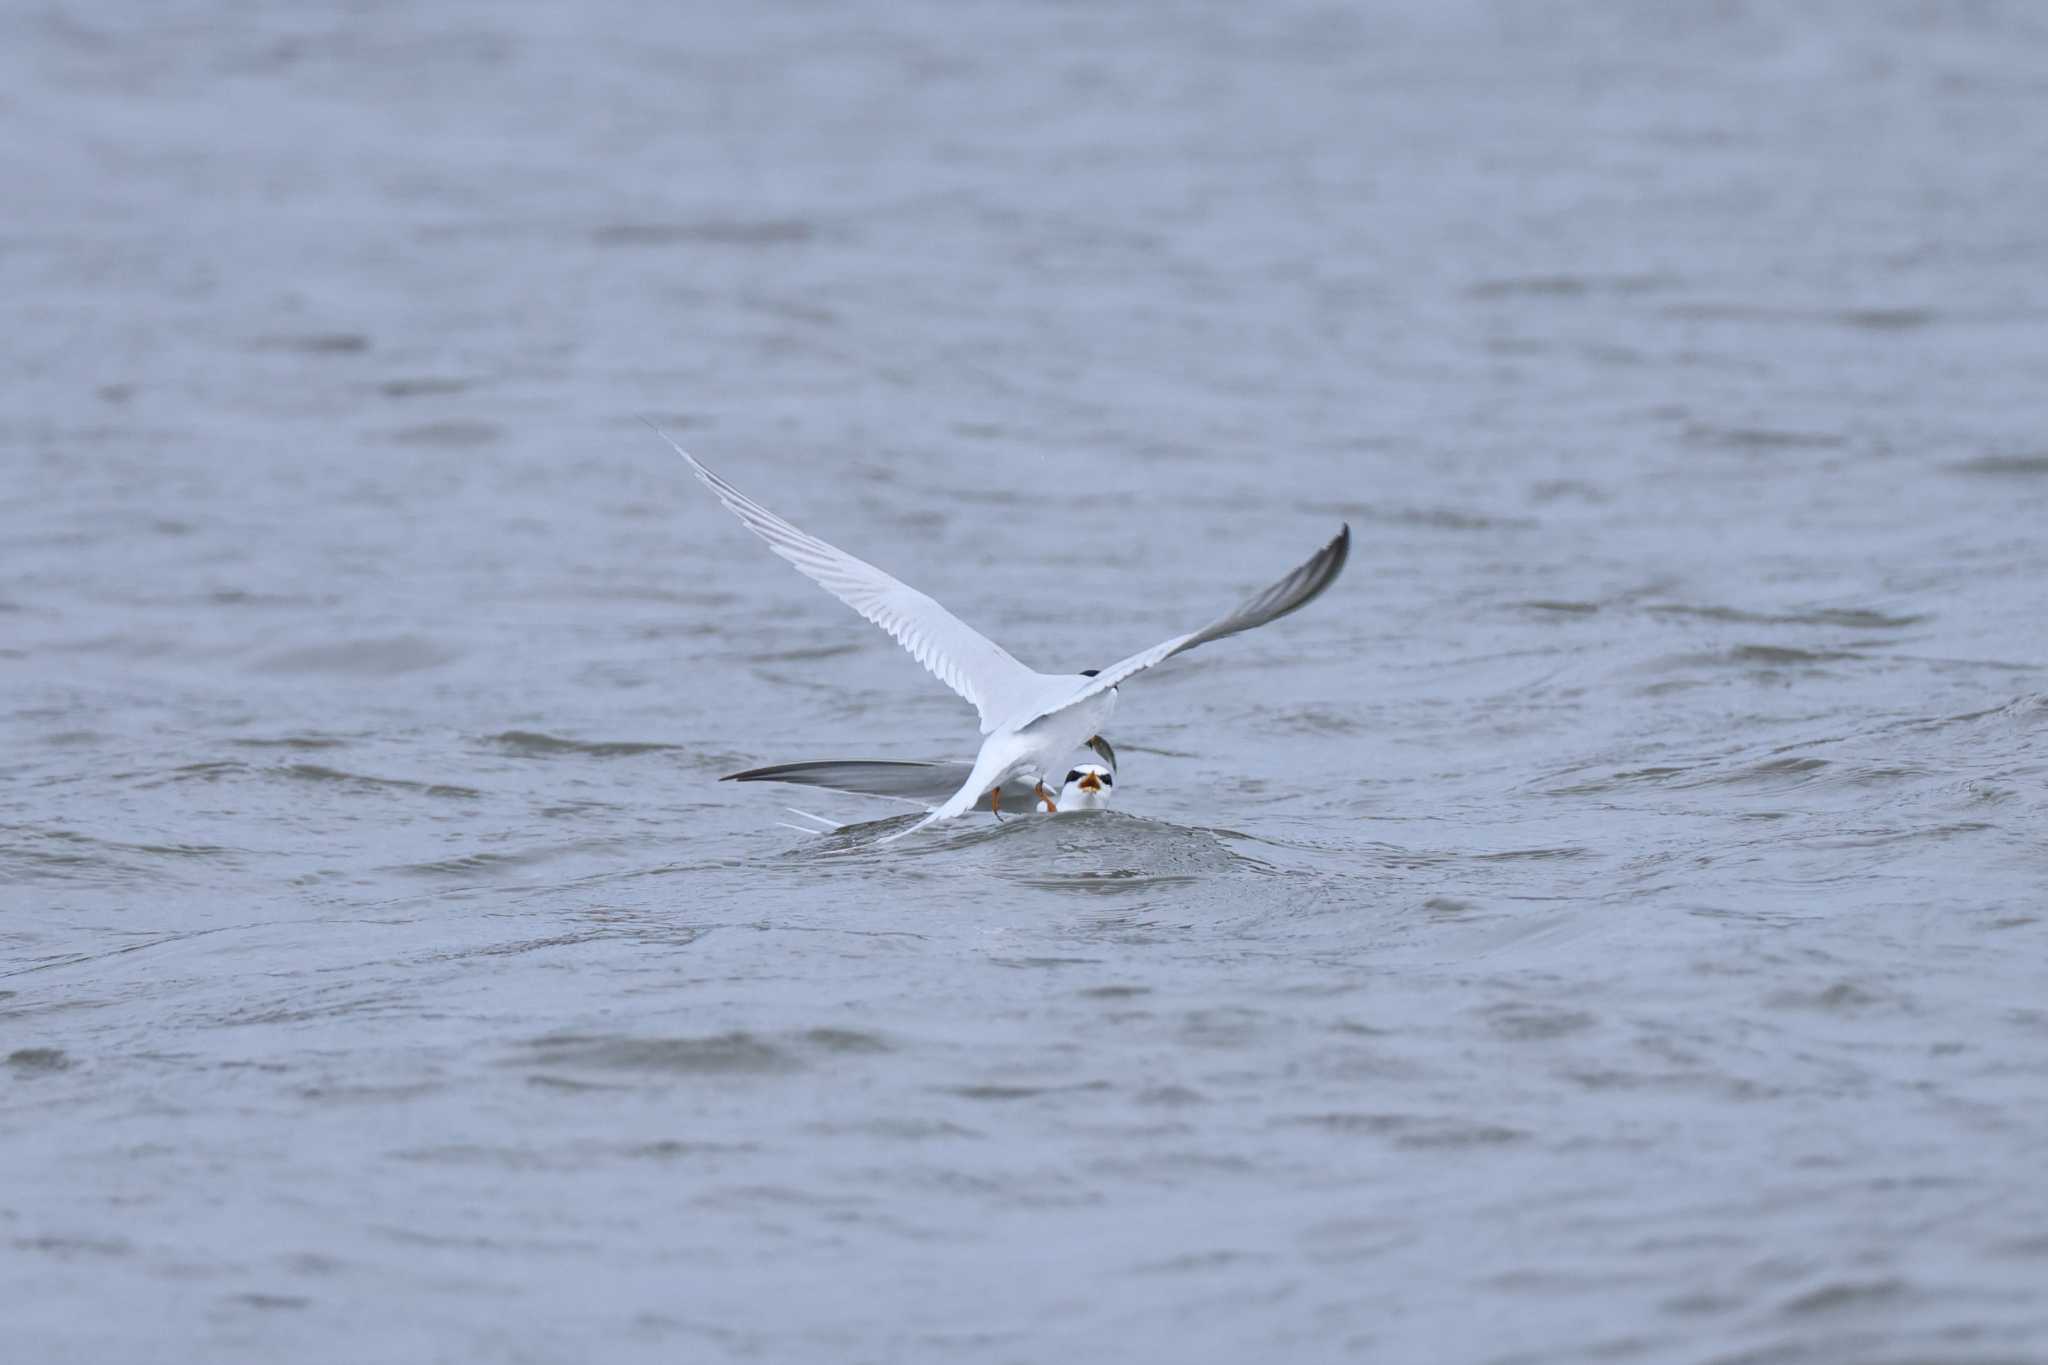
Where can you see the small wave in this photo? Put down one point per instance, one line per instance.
(897, 1128)
(1840, 1295)
(758, 232)
(451, 434)
(846, 1040)
(1840, 997)
(1432, 518)
(659, 596)
(523, 946)
(1221, 1258)
(1170, 1096)
(1761, 659)
(1876, 319)
(1762, 438)
(804, 654)
(1529, 1023)
(534, 744)
(1848, 618)
(1616, 781)
(341, 1002)
(38, 1061)
(1567, 286)
(1123, 883)
(574, 1156)
(290, 742)
(1886, 319)
(422, 386)
(71, 1247)
(1113, 992)
(1001, 1093)
(314, 772)
(736, 1053)
(1314, 720)
(1408, 1130)
(1450, 519)
(2004, 466)
(469, 864)
(1533, 854)
(314, 343)
(1770, 771)
(190, 772)
(1887, 838)
(1776, 655)
(72, 856)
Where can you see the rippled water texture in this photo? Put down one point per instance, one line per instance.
(1607, 926)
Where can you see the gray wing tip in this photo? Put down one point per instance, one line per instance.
(658, 430)
(1319, 572)
(677, 447)
(775, 771)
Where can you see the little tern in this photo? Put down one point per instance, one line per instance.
(1029, 720)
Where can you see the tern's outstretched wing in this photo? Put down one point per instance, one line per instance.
(1291, 593)
(927, 784)
(959, 656)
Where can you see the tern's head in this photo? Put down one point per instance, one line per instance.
(1087, 787)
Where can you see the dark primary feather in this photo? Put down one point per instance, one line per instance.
(925, 782)
(1290, 594)
(779, 772)
(906, 781)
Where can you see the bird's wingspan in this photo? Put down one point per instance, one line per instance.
(959, 656)
(1295, 591)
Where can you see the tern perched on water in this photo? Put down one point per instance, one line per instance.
(1029, 720)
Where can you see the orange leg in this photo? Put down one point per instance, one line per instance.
(995, 803)
(1051, 806)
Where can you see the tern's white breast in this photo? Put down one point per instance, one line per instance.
(1054, 736)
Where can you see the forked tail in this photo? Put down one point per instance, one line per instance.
(960, 802)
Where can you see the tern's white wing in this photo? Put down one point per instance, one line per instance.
(1291, 593)
(959, 656)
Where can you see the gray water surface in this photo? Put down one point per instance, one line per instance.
(1608, 925)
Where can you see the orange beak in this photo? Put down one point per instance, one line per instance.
(1090, 782)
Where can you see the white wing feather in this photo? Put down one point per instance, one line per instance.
(959, 656)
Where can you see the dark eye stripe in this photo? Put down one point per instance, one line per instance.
(1108, 781)
(1074, 776)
